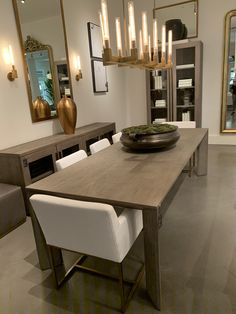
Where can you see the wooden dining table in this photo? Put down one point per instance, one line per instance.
(138, 180)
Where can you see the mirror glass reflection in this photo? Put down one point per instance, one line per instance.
(229, 75)
(185, 12)
(231, 82)
(41, 31)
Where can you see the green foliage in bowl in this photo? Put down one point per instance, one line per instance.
(150, 129)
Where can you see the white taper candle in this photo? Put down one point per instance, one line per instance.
(132, 23)
(145, 29)
(118, 37)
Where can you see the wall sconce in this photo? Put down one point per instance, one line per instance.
(12, 75)
(78, 66)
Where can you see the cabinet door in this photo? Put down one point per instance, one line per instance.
(68, 147)
(38, 165)
(159, 98)
(98, 134)
(107, 132)
(187, 82)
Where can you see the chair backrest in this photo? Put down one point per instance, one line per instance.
(183, 124)
(116, 137)
(70, 159)
(99, 145)
(86, 227)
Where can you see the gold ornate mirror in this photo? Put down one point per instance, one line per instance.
(228, 111)
(44, 50)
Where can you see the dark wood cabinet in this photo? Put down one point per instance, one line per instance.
(29, 162)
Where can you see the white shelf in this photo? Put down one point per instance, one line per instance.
(159, 107)
(185, 66)
(185, 87)
(185, 106)
(181, 41)
(155, 89)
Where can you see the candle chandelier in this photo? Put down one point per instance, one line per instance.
(149, 56)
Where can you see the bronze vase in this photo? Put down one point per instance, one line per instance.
(41, 108)
(67, 114)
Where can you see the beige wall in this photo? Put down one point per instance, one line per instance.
(211, 32)
(92, 107)
(125, 102)
(15, 121)
(44, 30)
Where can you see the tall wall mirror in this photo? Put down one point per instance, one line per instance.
(42, 36)
(181, 17)
(228, 112)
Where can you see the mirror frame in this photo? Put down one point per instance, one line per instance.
(228, 17)
(177, 4)
(20, 36)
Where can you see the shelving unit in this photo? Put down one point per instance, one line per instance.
(182, 102)
(187, 65)
(158, 95)
(62, 81)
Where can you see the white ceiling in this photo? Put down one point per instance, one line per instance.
(33, 10)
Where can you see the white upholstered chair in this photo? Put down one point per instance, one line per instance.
(70, 159)
(116, 137)
(90, 228)
(99, 145)
(186, 124)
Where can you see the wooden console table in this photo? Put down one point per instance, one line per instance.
(29, 162)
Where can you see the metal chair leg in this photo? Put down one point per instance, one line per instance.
(60, 275)
(125, 300)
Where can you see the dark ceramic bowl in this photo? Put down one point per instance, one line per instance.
(177, 28)
(150, 141)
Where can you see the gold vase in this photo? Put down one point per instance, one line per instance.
(67, 114)
(41, 108)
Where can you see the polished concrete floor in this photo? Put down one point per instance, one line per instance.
(198, 258)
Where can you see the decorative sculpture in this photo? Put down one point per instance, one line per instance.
(67, 114)
(41, 108)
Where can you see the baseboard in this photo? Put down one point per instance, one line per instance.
(13, 228)
(223, 139)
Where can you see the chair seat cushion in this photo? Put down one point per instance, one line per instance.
(87, 227)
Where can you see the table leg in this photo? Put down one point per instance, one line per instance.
(151, 222)
(202, 157)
